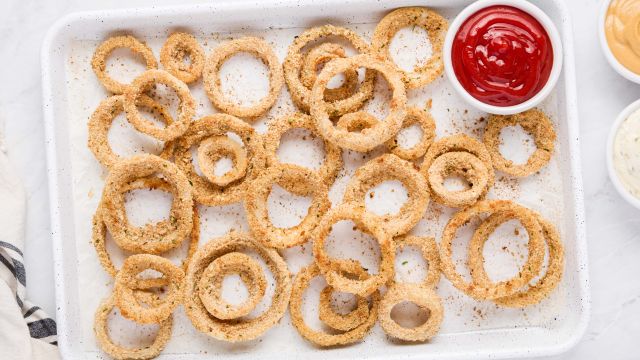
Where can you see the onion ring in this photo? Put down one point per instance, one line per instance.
(173, 52)
(127, 281)
(205, 192)
(99, 229)
(459, 142)
(238, 330)
(435, 26)
(320, 55)
(428, 127)
(99, 60)
(210, 285)
(301, 94)
(333, 155)
(213, 149)
(386, 167)
(351, 320)
(186, 108)
(423, 297)
(298, 180)
(152, 238)
(367, 139)
(533, 121)
(357, 121)
(535, 293)
(504, 288)
(102, 119)
(429, 250)
(329, 266)
(460, 163)
(101, 331)
(224, 51)
(301, 282)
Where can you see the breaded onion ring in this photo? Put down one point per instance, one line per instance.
(204, 191)
(173, 53)
(127, 282)
(330, 267)
(369, 138)
(152, 238)
(210, 285)
(297, 180)
(215, 148)
(427, 125)
(354, 318)
(544, 286)
(301, 94)
(102, 118)
(186, 108)
(99, 60)
(533, 121)
(459, 142)
(239, 329)
(423, 297)
(101, 331)
(503, 288)
(301, 282)
(320, 55)
(436, 27)
(357, 121)
(224, 51)
(333, 154)
(99, 229)
(429, 250)
(390, 167)
(462, 163)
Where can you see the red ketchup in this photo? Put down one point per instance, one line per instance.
(502, 56)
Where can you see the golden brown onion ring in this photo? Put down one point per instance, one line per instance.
(533, 121)
(436, 27)
(99, 59)
(212, 82)
(173, 53)
(427, 125)
(320, 55)
(213, 149)
(429, 250)
(464, 164)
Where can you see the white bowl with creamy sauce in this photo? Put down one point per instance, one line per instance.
(623, 33)
(623, 154)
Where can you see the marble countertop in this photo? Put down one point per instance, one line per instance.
(613, 226)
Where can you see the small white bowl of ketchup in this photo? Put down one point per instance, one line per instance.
(502, 56)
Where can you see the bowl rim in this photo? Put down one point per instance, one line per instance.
(604, 45)
(613, 174)
(546, 23)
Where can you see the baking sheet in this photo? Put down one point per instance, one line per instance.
(545, 192)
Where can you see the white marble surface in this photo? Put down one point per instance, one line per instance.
(613, 226)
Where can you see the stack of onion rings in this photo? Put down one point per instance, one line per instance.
(172, 57)
(390, 167)
(99, 60)
(186, 108)
(369, 138)
(505, 288)
(204, 191)
(297, 180)
(350, 336)
(436, 27)
(333, 155)
(152, 238)
(237, 329)
(224, 51)
(533, 121)
(293, 63)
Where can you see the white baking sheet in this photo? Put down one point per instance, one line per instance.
(548, 192)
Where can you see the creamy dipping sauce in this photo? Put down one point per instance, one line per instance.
(626, 153)
(622, 30)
